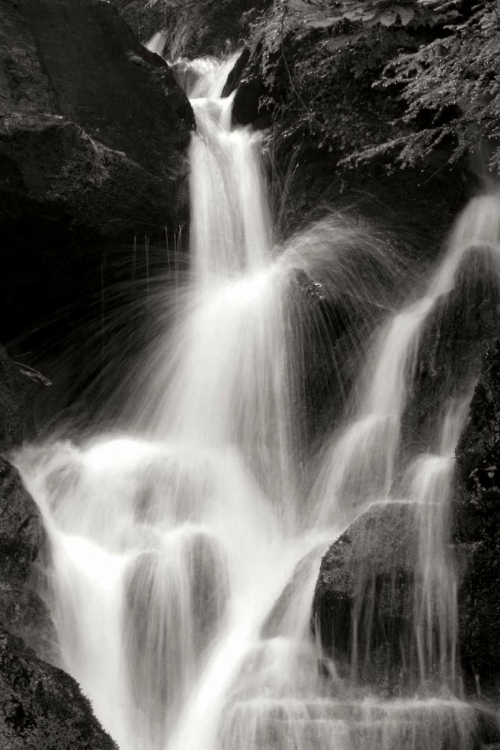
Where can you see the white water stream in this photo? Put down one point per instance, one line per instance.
(169, 551)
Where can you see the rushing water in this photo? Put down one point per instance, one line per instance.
(183, 557)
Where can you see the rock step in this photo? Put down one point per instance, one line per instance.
(357, 725)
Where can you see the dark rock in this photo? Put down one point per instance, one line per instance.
(42, 707)
(477, 532)
(88, 118)
(17, 389)
(21, 535)
(93, 137)
(76, 178)
(235, 75)
(247, 106)
(364, 597)
(22, 542)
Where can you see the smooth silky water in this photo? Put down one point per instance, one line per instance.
(183, 556)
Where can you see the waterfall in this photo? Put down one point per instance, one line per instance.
(183, 555)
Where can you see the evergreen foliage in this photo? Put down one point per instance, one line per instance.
(400, 81)
(455, 80)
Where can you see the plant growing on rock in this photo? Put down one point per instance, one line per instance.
(451, 87)
(385, 80)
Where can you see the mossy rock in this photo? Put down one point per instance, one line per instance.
(41, 707)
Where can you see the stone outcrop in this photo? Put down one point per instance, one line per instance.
(363, 602)
(93, 127)
(21, 542)
(41, 707)
(477, 533)
(17, 389)
(21, 535)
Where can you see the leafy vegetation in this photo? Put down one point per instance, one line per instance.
(391, 80)
(454, 81)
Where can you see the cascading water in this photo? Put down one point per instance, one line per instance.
(182, 563)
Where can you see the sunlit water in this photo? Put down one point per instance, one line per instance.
(184, 557)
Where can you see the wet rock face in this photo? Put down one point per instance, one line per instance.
(477, 532)
(363, 602)
(460, 328)
(41, 707)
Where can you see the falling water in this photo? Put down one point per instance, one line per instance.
(182, 565)
(362, 462)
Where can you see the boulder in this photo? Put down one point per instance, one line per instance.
(88, 117)
(364, 597)
(41, 707)
(18, 386)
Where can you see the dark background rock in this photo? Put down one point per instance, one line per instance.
(41, 707)
(87, 116)
(93, 137)
(477, 533)
(17, 391)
